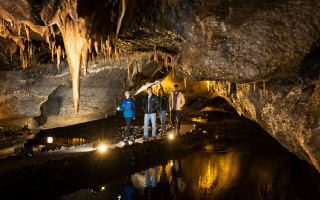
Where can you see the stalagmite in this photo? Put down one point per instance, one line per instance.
(123, 10)
(27, 31)
(185, 82)
(58, 56)
(155, 57)
(53, 45)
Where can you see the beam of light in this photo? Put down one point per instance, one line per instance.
(102, 148)
(49, 139)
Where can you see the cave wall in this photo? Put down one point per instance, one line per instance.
(286, 108)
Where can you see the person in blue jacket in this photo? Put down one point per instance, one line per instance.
(129, 111)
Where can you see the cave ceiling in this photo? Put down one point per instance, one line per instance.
(236, 41)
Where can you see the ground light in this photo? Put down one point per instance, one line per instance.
(171, 136)
(49, 139)
(102, 148)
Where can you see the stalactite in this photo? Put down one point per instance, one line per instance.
(52, 32)
(48, 38)
(102, 45)
(264, 87)
(214, 85)
(117, 56)
(53, 45)
(155, 57)
(254, 86)
(185, 82)
(27, 31)
(229, 87)
(128, 66)
(19, 29)
(93, 57)
(58, 56)
(123, 10)
(208, 84)
(96, 46)
(63, 52)
(90, 45)
(134, 70)
(166, 60)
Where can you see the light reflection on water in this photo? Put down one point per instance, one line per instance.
(223, 170)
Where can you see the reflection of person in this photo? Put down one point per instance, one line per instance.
(163, 109)
(129, 111)
(150, 105)
(164, 185)
(130, 192)
(176, 102)
(176, 178)
(149, 191)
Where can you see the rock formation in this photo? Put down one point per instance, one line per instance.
(261, 56)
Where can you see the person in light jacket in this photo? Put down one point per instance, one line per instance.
(176, 102)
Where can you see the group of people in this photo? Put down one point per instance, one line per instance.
(151, 104)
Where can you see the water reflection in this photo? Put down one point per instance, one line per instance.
(226, 169)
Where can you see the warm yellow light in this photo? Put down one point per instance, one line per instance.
(49, 139)
(102, 148)
(102, 188)
(171, 136)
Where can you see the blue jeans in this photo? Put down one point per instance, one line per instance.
(163, 120)
(153, 182)
(147, 118)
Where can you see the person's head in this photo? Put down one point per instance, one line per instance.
(176, 88)
(149, 90)
(127, 94)
(161, 92)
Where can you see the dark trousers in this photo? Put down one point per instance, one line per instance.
(176, 114)
(128, 122)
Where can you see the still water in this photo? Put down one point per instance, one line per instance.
(246, 166)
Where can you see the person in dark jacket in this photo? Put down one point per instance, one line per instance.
(129, 111)
(150, 106)
(163, 109)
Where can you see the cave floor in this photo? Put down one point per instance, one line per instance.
(218, 156)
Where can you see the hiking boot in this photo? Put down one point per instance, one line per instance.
(177, 132)
(145, 137)
(125, 139)
(131, 138)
